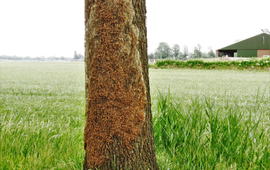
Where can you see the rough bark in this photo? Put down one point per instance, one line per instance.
(118, 132)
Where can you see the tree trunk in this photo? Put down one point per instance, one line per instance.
(118, 132)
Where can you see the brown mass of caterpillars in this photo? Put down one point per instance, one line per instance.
(116, 99)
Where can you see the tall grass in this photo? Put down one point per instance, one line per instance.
(41, 116)
(204, 134)
(210, 119)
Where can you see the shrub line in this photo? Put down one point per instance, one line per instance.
(263, 64)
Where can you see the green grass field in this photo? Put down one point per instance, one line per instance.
(203, 119)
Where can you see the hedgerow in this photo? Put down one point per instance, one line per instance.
(262, 64)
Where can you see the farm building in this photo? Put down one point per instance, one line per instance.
(257, 46)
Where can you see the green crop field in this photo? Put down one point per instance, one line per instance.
(203, 119)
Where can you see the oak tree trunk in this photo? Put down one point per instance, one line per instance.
(118, 132)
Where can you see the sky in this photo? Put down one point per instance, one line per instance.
(48, 28)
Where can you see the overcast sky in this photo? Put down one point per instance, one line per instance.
(56, 27)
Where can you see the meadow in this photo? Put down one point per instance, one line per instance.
(203, 119)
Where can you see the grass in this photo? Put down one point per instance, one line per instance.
(202, 134)
(41, 116)
(209, 119)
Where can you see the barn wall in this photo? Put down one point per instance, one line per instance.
(261, 53)
(246, 53)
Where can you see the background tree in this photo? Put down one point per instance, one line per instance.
(185, 52)
(151, 56)
(118, 132)
(197, 51)
(163, 51)
(211, 53)
(176, 51)
(75, 55)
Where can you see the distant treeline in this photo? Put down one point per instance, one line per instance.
(77, 56)
(164, 51)
(52, 58)
(6, 57)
